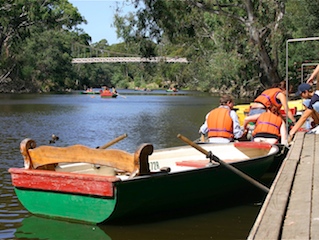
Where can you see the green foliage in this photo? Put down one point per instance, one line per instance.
(232, 46)
(241, 43)
(46, 61)
(301, 21)
(24, 27)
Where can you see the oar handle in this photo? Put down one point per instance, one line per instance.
(228, 166)
(113, 141)
(194, 145)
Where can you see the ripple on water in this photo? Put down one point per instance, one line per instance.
(11, 211)
(7, 233)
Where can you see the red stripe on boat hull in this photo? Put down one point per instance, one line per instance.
(263, 145)
(63, 182)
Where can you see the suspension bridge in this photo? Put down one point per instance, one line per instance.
(128, 60)
(87, 54)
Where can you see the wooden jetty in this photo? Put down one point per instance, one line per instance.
(291, 208)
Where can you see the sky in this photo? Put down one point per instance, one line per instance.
(99, 16)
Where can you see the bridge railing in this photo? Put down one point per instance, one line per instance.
(129, 60)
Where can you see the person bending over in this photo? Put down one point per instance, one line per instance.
(275, 96)
(269, 126)
(311, 103)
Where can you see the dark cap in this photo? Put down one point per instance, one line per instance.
(303, 87)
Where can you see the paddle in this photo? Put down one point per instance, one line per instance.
(113, 141)
(120, 95)
(214, 158)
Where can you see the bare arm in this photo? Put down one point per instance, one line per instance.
(307, 113)
(313, 75)
(252, 118)
(283, 100)
(283, 133)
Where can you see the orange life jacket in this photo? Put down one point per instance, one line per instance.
(219, 123)
(268, 98)
(268, 122)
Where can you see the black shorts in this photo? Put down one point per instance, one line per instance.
(266, 135)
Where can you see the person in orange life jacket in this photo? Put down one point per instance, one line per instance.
(275, 96)
(269, 126)
(222, 124)
(312, 104)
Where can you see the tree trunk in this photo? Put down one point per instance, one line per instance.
(270, 74)
(268, 67)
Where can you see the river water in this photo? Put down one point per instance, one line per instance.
(156, 117)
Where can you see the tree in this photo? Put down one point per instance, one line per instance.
(240, 27)
(46, 62)
(21, 19)
(301, 21)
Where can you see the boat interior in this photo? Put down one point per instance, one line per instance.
(144, 161)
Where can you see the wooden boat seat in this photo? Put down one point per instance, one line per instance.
(194, 163)
(47, 157)
(292, 110)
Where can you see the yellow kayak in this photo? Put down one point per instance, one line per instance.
(242, 110)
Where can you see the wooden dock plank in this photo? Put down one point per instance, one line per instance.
(270, 219)
(297, 220)
(314, 228)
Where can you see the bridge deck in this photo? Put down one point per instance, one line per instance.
(128, 60)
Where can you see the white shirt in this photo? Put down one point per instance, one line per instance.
(237, 130)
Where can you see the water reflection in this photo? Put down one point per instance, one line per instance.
(210, 225)
(41, 228)
(201, 226)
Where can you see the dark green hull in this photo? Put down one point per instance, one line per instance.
(185, 189)
(279, 158)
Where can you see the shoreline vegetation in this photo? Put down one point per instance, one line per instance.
(38, 46)
(147, 88)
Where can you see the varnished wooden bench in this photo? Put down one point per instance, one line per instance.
(47, 157)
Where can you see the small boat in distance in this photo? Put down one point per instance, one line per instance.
(107, 93)
(171, 90)
(78, 183)
(90, 91)
(142, 89)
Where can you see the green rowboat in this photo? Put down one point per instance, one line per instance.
(78, 183)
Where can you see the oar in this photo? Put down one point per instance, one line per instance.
(121, 95)
(212, 157)
(113, 141)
